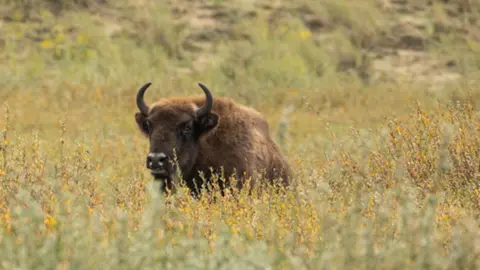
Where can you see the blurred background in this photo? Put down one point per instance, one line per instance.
(340, 61)
(374, 103)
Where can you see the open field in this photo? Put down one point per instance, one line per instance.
(374, 102)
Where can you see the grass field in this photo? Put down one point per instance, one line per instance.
(375, 104)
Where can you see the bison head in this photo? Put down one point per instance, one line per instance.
(174, 130)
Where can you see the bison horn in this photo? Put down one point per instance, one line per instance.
(142, 106)
(208, 101)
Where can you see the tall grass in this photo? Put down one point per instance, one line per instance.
(386, 175)
(394, 205)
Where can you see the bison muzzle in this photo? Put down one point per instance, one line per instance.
(199, 137)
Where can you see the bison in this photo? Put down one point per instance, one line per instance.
(201, 137)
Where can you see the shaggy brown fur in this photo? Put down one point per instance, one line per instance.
(232, 136)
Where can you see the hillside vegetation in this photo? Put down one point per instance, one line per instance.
(374, 102)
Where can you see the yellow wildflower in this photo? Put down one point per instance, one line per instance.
(49, 221)
(80, 38)
(293, 91)
(304, 34)
(98, 91)
(47, 44)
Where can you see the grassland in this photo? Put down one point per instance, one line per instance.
(375, 104)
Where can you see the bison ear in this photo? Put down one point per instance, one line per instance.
(142, 123)
(207, 122)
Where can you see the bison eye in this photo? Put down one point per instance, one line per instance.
(148, 126)
(187, 130)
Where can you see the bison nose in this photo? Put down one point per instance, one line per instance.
(156, 160)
